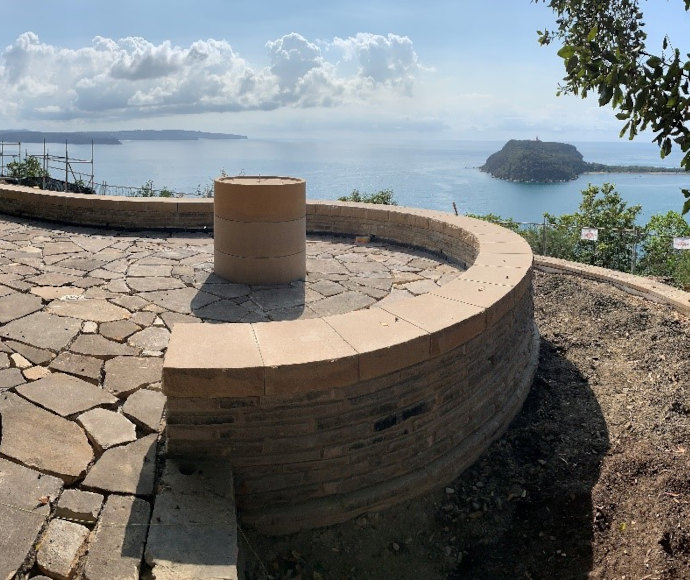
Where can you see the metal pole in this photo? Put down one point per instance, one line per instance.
(66, 164)
(543, 238)
(45, 163)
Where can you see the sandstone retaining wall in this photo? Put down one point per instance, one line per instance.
(324, 419)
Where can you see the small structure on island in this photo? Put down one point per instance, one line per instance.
(259, 226)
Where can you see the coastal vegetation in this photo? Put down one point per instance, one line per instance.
(383, 196)
(622, 243)
(548, 162)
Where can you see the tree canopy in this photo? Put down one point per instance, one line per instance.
(604, 51)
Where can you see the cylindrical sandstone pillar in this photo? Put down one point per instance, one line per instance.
(259, 229)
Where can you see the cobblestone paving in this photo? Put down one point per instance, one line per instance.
(85, 318)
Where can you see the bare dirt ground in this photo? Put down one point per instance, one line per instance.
(592, 479)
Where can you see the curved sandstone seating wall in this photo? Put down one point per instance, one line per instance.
(324, 419)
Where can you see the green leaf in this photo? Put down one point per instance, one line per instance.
(592, 33)
(566, 52)
(686, 205)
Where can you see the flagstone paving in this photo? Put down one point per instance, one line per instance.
(85, 319)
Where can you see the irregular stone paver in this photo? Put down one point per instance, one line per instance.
(10, 378)
(16, 305)
(41, 440)
(197, 535)
(227, 290)
(327, 288)
(42, 330)
(152, 284)
(60, 548)
(184, 301)
(341, 303)
(19, 361)
(127, 469)
(223, 310)
(118, 330)
(96, 345)
(22, 511)
(4, 361)
(52, 279)
(151, 338)
(94, 310)
(124, 375)
(65, 395)
(107, 429)
(53, 248)
(117, 548)
(38, 356)
(76, 504)
(85, 367)
(35, 373)
(145, 408)
(172, 318)
(149, 270)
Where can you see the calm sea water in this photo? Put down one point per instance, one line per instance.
(426, 174)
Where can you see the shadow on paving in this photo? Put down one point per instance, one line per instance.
(527, 504)
(219, 300)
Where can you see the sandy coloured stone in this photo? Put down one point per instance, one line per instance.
(10, 378)
(99, 347)
(93, 310)
(77, 504)
(127, 469)
(4, 360)
(172, 318)
(41, 440)
(197, 532)
(42, 330)
(153, 284)
(116, 550)
(92, 244)
(23, 488)
(35, 373)
(152, 338)
(60, 548)
(341, 303)
(184, 300)
(106, 429)
(89, 327)
(19, 361)
(65, 395)
(56, 292)
(145, 408)
(16, 305)
(85, 367)
(126, 374)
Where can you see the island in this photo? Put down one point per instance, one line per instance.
(108, 137)
(550, 162)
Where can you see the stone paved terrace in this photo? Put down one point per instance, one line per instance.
(85, 319)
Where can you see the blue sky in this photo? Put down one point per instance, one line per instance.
(437, 69)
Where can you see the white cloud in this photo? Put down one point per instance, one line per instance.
(132, 77)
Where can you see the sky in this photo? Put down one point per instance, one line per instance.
(440, 69)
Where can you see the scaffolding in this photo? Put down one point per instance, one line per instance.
(66, 167)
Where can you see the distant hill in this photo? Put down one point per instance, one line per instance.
(109, 137)
(549, 162)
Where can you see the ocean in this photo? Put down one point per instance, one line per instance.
(423, 173)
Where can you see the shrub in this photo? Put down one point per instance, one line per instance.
(384, 196)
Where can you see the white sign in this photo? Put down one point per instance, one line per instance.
(591, 234)
(681, 243)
